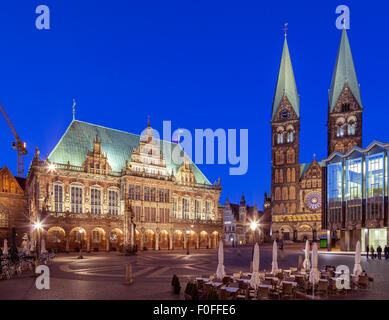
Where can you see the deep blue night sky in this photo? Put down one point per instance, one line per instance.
(200, 64)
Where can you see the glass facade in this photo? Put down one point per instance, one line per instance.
(357, 187)
(334, 191)
(353, 189)
(375, 186)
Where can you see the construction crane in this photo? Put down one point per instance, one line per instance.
(18, 145)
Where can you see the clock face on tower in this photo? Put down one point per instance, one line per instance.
(313, 201)
(285, 114)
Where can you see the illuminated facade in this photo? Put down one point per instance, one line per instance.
(237, 219)
(105, 189)
(297, 188)
(357, 196)
(12, 205)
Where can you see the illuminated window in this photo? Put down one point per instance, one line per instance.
(96, 236)
(4, 220)
(58, 198)
(76, 199)
(113, 202)
(185, 208)
(175, 208)
(197, 209)
(95, 201)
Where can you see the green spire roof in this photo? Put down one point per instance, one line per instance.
(117, 145)
(286, 84)
(344, 73)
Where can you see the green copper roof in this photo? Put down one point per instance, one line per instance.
(286, 84)
(117, 145)
(344, 72)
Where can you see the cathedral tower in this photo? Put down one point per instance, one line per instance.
(344, 123)
(285, 126)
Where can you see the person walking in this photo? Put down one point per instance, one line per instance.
(367, 252)
(379, 251)
(372, 252)
(386, 252)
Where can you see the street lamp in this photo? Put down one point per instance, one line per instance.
(38, 226)
(254, 226)
(80, 255)
(187, 241)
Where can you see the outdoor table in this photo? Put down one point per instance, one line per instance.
(324, 280)
(265, 286)
(204, 279)
(272, 278)
(294, 284)
(215, 284)
(245, 280)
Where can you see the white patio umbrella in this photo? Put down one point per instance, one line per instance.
(254, 281)
(5, 250)
(314, 275)
(43, 246)
(357, 266)
(220, 273)
(306, 263)
(274, 264)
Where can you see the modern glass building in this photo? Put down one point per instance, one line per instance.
(356, 197)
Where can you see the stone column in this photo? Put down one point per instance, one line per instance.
(210, 241)
(67, 244)
(185, 239)
(197, 241)
(141, 241)
(88, 242)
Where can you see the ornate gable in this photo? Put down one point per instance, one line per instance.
(8, 183)
(96, 161)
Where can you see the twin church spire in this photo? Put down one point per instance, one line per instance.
(344, 73)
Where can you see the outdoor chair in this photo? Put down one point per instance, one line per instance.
(267, 281)
(263, 293)
(288, 291)
(322, 288)
(244, 294)
(363, 282)
(301, 284)
(224, 295)
(234, 285)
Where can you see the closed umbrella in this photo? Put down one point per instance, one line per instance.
(300, 263)
(274, 264)
(220, 273)
(306, 263)
(314, 275)
(5, 250)
(254, 281)
(28, 248)
(357, 266)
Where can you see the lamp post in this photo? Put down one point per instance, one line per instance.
(80, 255)
(37, 227)
(187, 241)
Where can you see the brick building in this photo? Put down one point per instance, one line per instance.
(102, 189)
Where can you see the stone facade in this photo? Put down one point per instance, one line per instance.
(12, 206)
(237, 219)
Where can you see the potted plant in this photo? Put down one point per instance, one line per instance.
(176, 284)
(191, 292)
(212, 294)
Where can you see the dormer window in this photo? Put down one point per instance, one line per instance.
(290, 137)
(351, 129)
(345, 107)
(339, 131)
(280, 138)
